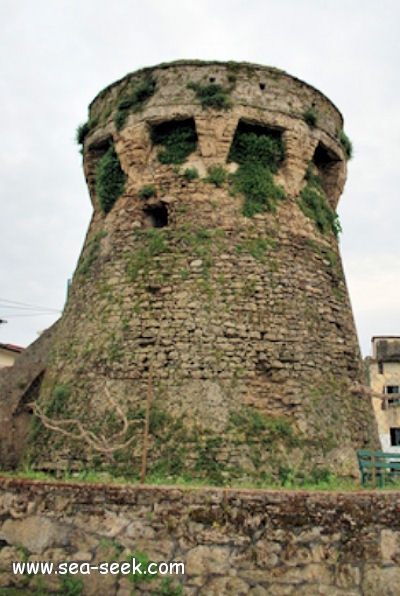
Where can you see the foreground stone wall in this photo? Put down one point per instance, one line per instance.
(231, 541)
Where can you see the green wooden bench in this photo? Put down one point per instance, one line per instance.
(378, 466)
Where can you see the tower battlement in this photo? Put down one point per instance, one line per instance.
(310, 126)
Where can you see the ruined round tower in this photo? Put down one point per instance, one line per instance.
(209, 293)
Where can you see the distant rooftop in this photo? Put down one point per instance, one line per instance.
(11, 348)
(386, 348)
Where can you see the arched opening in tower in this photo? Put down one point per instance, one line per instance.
(328, 166)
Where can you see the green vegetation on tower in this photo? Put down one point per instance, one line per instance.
(178, 140)
(314, 204)
(259, 155)
(110, 179)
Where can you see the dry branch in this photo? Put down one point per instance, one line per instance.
(100, 443)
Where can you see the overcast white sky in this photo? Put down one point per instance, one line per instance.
(56, 55)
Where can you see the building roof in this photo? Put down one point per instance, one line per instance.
(11, 348)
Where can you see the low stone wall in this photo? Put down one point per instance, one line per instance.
(231, 541)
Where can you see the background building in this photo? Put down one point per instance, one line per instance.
(8, 354)
(384, 376)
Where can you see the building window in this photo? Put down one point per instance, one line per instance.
(395, 437)
(380, 367)
(393, 402)
(392, 389)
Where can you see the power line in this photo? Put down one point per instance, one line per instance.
(25, 306)
(34, 314)
(24, 309)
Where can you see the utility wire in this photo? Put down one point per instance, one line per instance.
(28, 310)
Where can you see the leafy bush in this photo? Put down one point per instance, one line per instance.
(110, 179)
(212, 95)
(346, 144)
(258, 155)
(310, 117)
(140, 93)
(261, 193)
(216, 175)
(179, 140)
(190, 174)
(84, 129)
(314, 204)
(147, 191)
(265, 149)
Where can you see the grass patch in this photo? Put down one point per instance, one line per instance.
(217, 176)
(110, 179)
(146, 192)
(190, 174)
(314, 204)
(213, 96)
(178, 139)
(325, 481)
(135, 101)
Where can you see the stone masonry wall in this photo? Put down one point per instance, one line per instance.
(231, 541)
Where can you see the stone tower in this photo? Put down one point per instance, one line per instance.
(209, 291)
